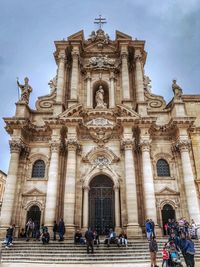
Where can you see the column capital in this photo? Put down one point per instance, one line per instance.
(75, 54)
(124, 55)
(128, 143)
(144, 145)
(116, 187)
(183, 145)
(112, 75)
(72, 144)
(62, 56)
(16, 146)
(55, 145)
(138, 56)
(86, 188)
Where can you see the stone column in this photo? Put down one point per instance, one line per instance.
(52, 185)
(11, 183)
(148, 183)
(70, 186)
(61, 77)
(125, 74)
(112, 91)
(85, 206)
(188, 177)
(133, 228)
(75, 74)
(117, 209)
(139, 77)
(89, 92)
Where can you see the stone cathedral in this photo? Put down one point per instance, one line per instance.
(101, 150)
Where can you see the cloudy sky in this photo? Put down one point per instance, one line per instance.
(28, 29)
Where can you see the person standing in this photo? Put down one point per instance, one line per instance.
(189, 252)
(89, 236)
(61, 229)
(165, 256)
(55, 229)
(153, 248)
(148, 228)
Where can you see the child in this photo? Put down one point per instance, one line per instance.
(165, 256)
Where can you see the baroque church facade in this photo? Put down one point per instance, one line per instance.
(101, 150)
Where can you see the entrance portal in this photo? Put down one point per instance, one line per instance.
(167, 213)
(101, 204)
(34, 213)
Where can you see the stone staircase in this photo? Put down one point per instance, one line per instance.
(66, 252)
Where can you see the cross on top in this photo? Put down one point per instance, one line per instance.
(100, 21)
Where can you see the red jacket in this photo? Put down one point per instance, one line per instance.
(165, 254)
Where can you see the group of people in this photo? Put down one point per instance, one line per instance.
(179, 241)
(179, 226)
(91, 238)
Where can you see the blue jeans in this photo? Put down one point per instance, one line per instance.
(164, 261)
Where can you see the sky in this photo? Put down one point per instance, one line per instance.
(29, 28)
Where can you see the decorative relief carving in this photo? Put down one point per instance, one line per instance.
(127, 143)
(16, 146)
(55, 145)
(101, 161)
(72, 144)
(45, 103)
(155, 102)
(100, 122)
(144, 145)
(102, 62)
(182, 145)
(101, 36)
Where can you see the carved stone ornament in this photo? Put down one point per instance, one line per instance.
(177, 90)
(147, 84)
(183, 145)
(99, 35)
(100, 62)
(144, 145)
(155, 102)
(54, 145)
(100, 122)
(72, 144)
(26, 89)
(100, 129)
(16, 146)
(101, 161)
(45, 103)
(127, 143)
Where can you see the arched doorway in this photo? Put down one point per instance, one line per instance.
(101, 204)
(168, 212)
(34, 213)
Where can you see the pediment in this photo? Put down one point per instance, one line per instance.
(122, 36)
(124, 111)
(167, 191)
(96, 47)
(73, 111)
(34, 192)
(103, 152)
(78, 36)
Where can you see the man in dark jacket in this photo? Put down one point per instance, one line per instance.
(89, 236)
(61, 229)
(153, 248)
(9, 236)
(55, 229)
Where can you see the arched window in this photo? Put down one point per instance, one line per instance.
(162, 168)
(38, 169)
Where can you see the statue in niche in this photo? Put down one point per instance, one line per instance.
(26, 89)
(99, 97)
(177, 90)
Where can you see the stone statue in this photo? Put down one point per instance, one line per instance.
(177, 90)
(26, 89)
(99, 97)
